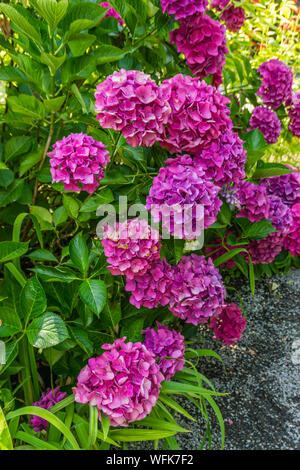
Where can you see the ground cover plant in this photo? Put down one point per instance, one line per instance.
(181, 121)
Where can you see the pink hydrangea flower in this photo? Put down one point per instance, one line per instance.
(178, 193)
(167, 346)
(228, 324)
(292, 240)
(111, 12)
(276, 85)
(234, 18)
(224, 161)
(285, 186)
(79, 162)
(131, 102)
(152, 288)
(202, 40)
(254, 201)
(267, 122)
(294, 114)
(199, 115)
(183, 8)
(47, 400)
(219, 4)
(197, 290)
(123, 382)
(130, 247)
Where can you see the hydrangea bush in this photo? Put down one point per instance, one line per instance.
(114, 117)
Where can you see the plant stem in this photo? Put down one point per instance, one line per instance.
(26, 372)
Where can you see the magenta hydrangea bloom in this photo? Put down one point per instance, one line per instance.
(224, 160)
(177, 193)
(123, 382)
(285, 186)
(265, 251)
(253, 200)
(292, 240)
(183, 8)
(111, 12)
(202, 40)
(267, 122)
(234, 18)
(79, 162)
(199, 115)
(152, 288)
(219, 4)
(167, 346)
(276, 85)
(47, 400)
(130, 247)
(294, 114)
(131, 102)
(197, 290)
(228, 324)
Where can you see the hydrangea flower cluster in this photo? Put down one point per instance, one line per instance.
(183, 185)
(183, 8)
(47, 400)
(292, 240)
(234, 18)
(276, 85)
(294, 114)
(219, 4)
(224, 160)
(130, 247)
(197, 290)
(111, 12)
(254, 201)
(285, 186)
(79, 162)
(228, 324)
(123, 382)
(167, 346)
(267, 122)
(202, 40)
(199, 114)
(131, 102)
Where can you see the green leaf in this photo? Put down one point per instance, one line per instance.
(29, 160)
(12, 250)
(46, 331)
(12, 193)
(5, 437)
(93, 293)
(105, 422)
(51, 10)
(6, 178)
(71, 205)
(9, 321)
(255, 145)
(104, 197)
(27, 105)
(12, 74)
(136, 435)
(79, 253)
(16, 146)
(82, 339)
(259, 229)
(21, 22)
(107, 53)
(53, 62)
(77, 94)
(54, 104)
(48, 274)
(267, 170)
(35, 441)
(178, 249)
(33, 299)
(79, 43)
(227, 256)
(42, 255)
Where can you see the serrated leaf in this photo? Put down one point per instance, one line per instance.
(51, 10)
(79, 253)
(16, 146)
(93, 293)
(46, 331)
(60, 274)
(33, 299)
(21, 22)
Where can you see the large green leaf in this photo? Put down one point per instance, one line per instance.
(47, 330)
(93, 293)
(12, 250)
(5, 437)
(21, 22)
(33, 299)
(62, 274)
(27, 105)
(51, 10)
(79, 253)
(17, 145)
(9, 320)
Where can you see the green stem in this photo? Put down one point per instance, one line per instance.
(26, 372)
(34, 372)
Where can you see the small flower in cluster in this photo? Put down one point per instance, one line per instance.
(253, 200)
(79, 162)
(228, 324)
(131, 102)
(202, 40)
(130, 247)
(219, 4)
(123, 382)
(152, 288)
(199, 115)
(229, 194)
(294, 114)
(47, 400)
(183, 8)
(111, 12)
(264, 251)
(197, 290)
(224, 160)
(276, 85)
(292, 240)
(267, 122)
(234, 18)
(177, 195)
(285, 186)
(279, 214)
(167, 346)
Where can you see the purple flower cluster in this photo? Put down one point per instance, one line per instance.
(228, 324)
(111, 12)
(292, 240)
(47, 400)
(276, 85)
(197, 290)
(183, 8)
(199, 114)
(130, 247)
(253, 200)
(130, 102)
(176, 192)
(202, 40)
(267, 122)
(79, 162)
(294, 114)
(123, 382)
(285, 186)
(219, 4)
(167, 346)
(234, 18)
